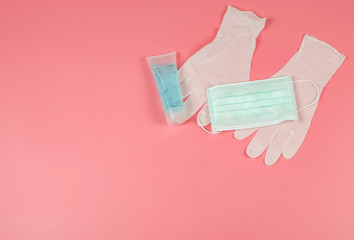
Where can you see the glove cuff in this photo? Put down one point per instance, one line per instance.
(324, 59)
(235, 18)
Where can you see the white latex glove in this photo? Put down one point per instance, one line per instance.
(227, 59)
(316, 61)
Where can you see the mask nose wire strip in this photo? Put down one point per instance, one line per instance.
(318, 93)
(201, 125)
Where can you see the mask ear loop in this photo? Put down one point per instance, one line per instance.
(201, 125)
(318, 93)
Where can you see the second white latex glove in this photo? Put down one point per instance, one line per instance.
(316, 61)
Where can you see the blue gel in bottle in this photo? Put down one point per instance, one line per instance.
(167, 82)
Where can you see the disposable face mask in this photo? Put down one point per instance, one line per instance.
(252, 104)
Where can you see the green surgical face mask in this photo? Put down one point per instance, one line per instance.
(252, 104)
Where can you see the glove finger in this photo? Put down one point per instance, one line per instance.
(243, 133)
(294, 143)
(194, 102)
(204, 116)
(276, 147)
(260, 141)
(182, 74)
(187, 87)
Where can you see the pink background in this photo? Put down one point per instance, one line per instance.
(85, 152)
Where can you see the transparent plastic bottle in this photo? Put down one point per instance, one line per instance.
(164, 69)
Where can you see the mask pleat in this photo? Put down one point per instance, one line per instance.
(251, 104)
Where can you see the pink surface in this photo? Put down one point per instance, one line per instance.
(85, 152)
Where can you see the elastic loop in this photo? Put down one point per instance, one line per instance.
(200, 124)
(318, 93)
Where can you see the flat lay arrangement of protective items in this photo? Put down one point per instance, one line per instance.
(251, 104)
(279, 109)
(164, 69)
(316, 61)
(227, 59)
